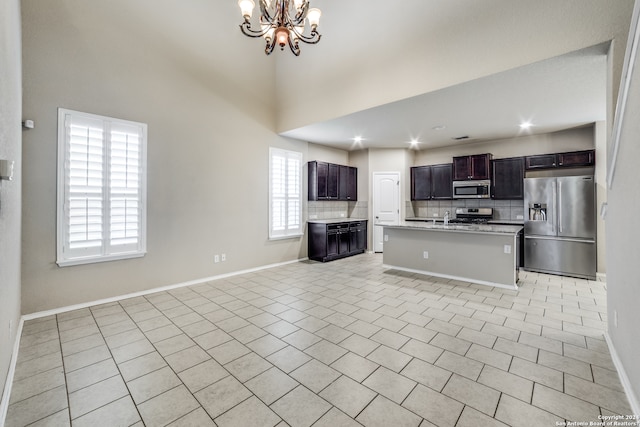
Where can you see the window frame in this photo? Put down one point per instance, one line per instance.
(66, 256)
(288, 233)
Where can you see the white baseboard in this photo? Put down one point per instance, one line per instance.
(4, 403)
(624, 379)
(153, 290)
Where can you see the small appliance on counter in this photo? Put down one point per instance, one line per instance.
(560, 225)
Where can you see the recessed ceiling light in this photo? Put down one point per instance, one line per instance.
(525, 125)
(439, 127)
(414, 143)
(357, 139)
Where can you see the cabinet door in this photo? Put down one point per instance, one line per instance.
(332, 243)
(461, 168)
(332, 181)
(357, 237)
(348, 183)
(361, 238)
(421, 183)
(343, 179)
(480, 166)
(441, 181)
(508, 178)
(541, 161)
(352, 184)
(576, 158)
(312, 181)
(343, 241)
(322, 174)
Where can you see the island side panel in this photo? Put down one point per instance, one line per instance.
(478, 257)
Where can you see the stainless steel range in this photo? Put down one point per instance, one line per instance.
(473, 215)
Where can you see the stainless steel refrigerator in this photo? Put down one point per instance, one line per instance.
(560, 225)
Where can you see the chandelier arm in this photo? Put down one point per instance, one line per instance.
(264, 11)
(269, 47)
(313, 38)
(246, 29)
(294, 47)
(300, 15)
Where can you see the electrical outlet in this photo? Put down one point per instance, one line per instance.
(223, 257)
(519, 216)
(341, 215)
(386, 237)
(425, 254)
(313, 216)
(216, 258)
(507, 249)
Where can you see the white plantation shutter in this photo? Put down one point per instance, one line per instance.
(101, 188)
(285, 195)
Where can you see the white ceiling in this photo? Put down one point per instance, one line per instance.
(554, 94)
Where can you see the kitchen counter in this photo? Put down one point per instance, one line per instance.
(486, 254)
(334, 220)
(492, 221)
(460, 228)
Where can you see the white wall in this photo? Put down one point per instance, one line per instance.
(418, 49)
(623, 248)
(210, 129)
(10, 191)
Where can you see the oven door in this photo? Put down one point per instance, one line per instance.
(471, 189)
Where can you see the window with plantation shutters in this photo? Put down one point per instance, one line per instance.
(101, 188)
(285, 193)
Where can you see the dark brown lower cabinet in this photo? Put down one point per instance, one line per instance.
(336, 240)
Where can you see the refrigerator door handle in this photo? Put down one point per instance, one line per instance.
(560, 206)
(553, 212)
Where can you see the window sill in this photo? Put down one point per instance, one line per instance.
(93, 260)
(290, 236)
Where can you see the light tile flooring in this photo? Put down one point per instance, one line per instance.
(337, 344)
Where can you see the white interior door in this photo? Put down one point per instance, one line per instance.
(386, 204)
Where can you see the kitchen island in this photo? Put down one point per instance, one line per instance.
(486, 254)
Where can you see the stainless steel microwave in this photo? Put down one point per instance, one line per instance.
(479, 189)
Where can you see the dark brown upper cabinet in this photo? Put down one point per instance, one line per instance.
(348, 183)
(477, 166)
(432, 182)
(421, 183)
(329, 181)
(508, 178)
(561, 160)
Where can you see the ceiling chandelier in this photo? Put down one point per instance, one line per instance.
(282, 22)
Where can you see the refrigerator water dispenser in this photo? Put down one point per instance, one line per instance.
(537, 212)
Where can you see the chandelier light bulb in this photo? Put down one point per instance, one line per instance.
(246, 7)
(298, 4)
(282, 36)
(313, 15)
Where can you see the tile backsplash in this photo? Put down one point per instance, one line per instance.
(508, 210)
(335, 209)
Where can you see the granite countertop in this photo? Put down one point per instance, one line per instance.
(460, 228)
(493, 221)
(334, 220)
